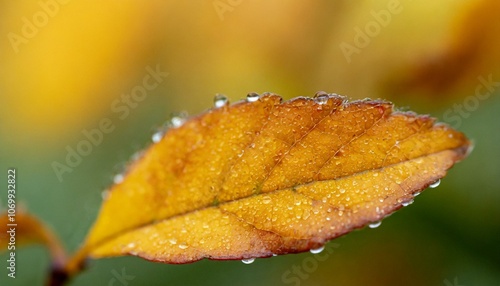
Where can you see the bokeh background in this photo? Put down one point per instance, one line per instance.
(65, 65)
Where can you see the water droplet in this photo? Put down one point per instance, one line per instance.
(131, 245)
(317, 250)
(375, 224)
(274, 254)
(435, 184)
(407, 203)
(321, 99)
(220, 100)
(172, 241)
(105, 194)
(157, 136)
(342, 191)
(177, 121)
(183, 246)
(248, 260)
(252, 97)
(266, 200)
(117, 179)
(306, 214)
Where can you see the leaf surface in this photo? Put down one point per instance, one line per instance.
(266, 177)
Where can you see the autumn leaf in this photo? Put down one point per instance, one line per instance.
(20, 228)
(263, 177)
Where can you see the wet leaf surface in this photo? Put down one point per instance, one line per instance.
(263, 177)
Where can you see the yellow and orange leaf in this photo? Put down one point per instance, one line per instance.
(263, 177)
(24, 229)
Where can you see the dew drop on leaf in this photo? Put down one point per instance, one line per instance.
(118, 178)
(317, 250)
(435, 184)
(220, 100)
(266, 199)
(183, 246)
(105, 194)
(157, 136)
(321, 99)
(248, 260)
(407, 203)
(177, 121)
(375, 224)
(252, 97)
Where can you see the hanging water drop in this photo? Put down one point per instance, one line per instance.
(317, 250)
(118, 178)
(220, 100)
(248, 260)
(407, 203)
(435, 184)
(375, 224)
(252, 97)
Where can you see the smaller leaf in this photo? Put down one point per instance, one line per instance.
(26, 229)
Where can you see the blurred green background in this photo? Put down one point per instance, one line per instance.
(65, 64)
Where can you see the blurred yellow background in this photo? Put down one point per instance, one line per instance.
(65, 66)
